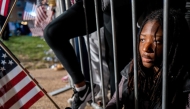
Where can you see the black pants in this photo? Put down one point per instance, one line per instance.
(72, 24)
(68, 25)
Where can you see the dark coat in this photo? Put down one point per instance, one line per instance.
(127, 100)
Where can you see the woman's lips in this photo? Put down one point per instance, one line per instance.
(147, 60)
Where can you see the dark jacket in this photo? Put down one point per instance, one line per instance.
(127, 100)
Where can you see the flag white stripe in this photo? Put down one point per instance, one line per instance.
(26, 98)
(3, 7)
(15, 89)
(10, 76)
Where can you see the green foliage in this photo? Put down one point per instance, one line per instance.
(27, 48)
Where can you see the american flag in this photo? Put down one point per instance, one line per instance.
(17, 90)
(29, 11)
(41, 16)
(4, 7)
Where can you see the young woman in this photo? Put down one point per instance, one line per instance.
(150, 65)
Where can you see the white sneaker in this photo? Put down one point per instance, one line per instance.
(76, 103)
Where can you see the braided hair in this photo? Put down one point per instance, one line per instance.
(150, 85)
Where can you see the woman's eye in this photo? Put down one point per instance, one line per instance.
(157, 41)
(142, 40)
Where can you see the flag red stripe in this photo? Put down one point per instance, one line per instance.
(1, 4)
(12, 83)
(33, 100)
(42, 13)
(39, 14)
(40, 17)
(20, 94)
(6, 8)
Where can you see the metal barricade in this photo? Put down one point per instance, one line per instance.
(165, 28)
(164, 81)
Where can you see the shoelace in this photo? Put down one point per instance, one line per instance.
(74, 90)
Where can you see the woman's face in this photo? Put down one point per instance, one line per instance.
(151, 44)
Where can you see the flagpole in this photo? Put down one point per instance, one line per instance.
(6, 21)
(17, 61)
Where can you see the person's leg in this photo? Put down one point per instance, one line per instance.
(57, 34)
(68, 25)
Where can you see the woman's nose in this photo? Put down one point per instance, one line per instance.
(148, 47)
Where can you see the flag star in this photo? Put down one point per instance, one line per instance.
(10, 62)
(3, 62)
(2, 69)
(4, 55)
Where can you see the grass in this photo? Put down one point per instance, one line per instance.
(27, 48)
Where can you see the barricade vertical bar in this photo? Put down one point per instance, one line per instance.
(88, 49)
(134, 52)
(100, 51)
(68, 4)
(81, 54)
(165, 41)
(61, 6)
(115, 52)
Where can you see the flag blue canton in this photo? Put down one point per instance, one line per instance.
(6, 64)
